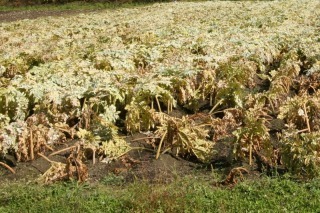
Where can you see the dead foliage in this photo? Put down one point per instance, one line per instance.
(234, 176)
(74, 169)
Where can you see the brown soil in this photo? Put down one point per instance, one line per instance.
(138, 164)
(9, 16)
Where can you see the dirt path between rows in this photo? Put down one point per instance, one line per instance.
(10, 16)
(135, 165)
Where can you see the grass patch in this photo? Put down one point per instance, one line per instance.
(184, 195)
(79, 5)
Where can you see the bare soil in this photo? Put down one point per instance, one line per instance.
(10, 16)
(136, 165)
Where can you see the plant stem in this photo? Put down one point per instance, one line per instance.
(158, 103)
(31, 144)
(250, 150)
(250, 154)
(151, 103)
(302, 130)
(47, 159)
(94, 156)
(143, 138)
(8, 167)
(165, 150)
(48, 147)
(160, 144)
(215, 106)
(306, 116)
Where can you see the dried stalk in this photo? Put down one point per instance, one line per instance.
(143, 138)
(250, 154)
(166, 150)
(151, 103)
(231, 179)
(215, 106)
(62, 150)
(160, 144)
(31, 145)
(7, 167)
(250, 150)
(307, 118)
(44, 157)
(158, 103)
(94, 156)
(302, 130)
(48, 147)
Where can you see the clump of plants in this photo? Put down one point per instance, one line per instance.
(188, 80)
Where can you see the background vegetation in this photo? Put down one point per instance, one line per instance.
(42, 2)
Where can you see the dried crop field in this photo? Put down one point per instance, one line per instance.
(192, 79)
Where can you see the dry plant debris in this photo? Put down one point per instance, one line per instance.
(242, 66)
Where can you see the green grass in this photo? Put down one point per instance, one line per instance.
(79, 5)
(184, 195)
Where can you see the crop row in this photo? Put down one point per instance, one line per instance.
(194, 74)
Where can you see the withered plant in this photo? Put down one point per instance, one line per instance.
(301, 152)
(185, 137)
(253, 135)
(73, 169)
